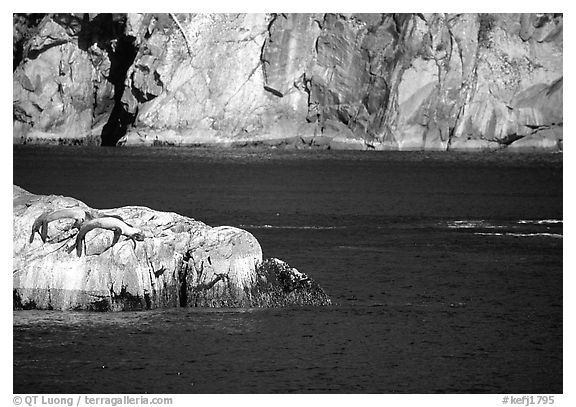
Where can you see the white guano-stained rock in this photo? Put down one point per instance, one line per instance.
(177, 250)
(181, 262)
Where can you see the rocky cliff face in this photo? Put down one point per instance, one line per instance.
(181, 262)
(358, 81)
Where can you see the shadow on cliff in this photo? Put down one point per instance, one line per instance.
(121, 58)
(105, 32)
(119, 119)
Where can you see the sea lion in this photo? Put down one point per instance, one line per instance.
(41, 223)
(118, 226)
(78, 214)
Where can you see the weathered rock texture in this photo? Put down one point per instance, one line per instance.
(354, 81)
(182, 262)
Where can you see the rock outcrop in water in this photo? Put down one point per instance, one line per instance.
(340, 81)
(181, 263)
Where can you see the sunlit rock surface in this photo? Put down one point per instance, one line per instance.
(436, 81)
(181, 262)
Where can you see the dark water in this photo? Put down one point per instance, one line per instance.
(447, 269)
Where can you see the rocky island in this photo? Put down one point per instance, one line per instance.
(338, 81)
(176, 262)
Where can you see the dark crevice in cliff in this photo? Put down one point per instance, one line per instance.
(273, 18)
(273, 91)
(182, 278)
(263, 61)
(120, 119)
(555, 86)
(509, 139)
(33, 54)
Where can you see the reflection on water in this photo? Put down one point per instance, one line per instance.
(553, 235)
(226, 320)
(429, 298)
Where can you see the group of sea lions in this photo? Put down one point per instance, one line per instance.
(85, 221)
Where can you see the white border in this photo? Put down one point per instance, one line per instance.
(298, 6)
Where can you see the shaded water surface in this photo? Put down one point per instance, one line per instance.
(447, 271)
